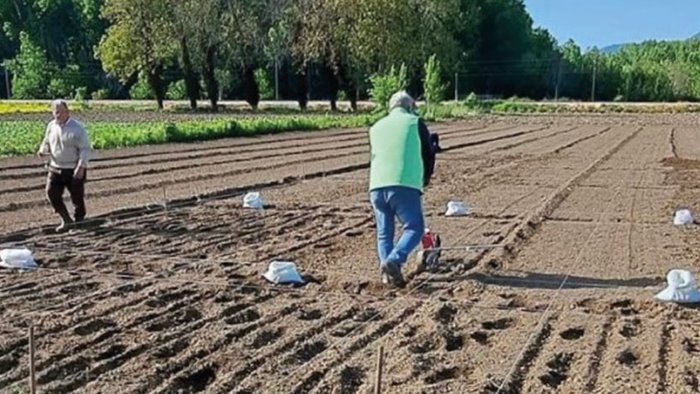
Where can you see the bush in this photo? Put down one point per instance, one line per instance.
(81, 97)
(59, 88)
(471, 100)
(432, 86)
(100, 94)
(265, 88)
(81, 94)
(31, 70)
(141, 91)
(385, 85)
(176, 91)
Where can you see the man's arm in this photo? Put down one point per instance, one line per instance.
(45, 148)
(426, 152)
(83, 146)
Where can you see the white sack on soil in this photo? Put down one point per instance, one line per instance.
(253, 200)
(283, 272)
(17, 259)
(683, 217)
(457, 208)
(681, 288)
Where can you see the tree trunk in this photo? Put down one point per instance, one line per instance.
(191, 83)
(348, 85)
(155, 81)
(250, 87)
(334, 85)
(210, 77)
(302, 90)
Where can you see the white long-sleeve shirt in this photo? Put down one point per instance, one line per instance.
(68, 145)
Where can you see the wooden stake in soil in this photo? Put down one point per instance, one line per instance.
(32, 369)
(380, 365)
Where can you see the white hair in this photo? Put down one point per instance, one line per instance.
(401, 99)
(59, 103)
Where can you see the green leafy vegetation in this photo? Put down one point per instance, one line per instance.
(24, 137)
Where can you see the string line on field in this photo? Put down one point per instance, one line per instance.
(14, 323)
(177, 259)
(191, 201)
(214, 196)
(162, 277)
(346, 337)
(579, 255)
(337, 342)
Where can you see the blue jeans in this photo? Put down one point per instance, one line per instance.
(404, 203)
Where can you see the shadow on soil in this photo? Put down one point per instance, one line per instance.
(533, 280)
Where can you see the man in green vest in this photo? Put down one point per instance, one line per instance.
(402, 162)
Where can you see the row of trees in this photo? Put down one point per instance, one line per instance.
(216, 49)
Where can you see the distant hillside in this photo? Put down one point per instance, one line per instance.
(612, 48)
(617, 47)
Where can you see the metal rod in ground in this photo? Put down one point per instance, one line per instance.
(32, 368)
(380, 365)
(466, 247)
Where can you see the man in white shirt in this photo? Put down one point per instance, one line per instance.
(66, 142)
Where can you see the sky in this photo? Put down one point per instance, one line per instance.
(605, 22)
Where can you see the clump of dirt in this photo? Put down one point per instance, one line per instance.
(247, 316)
(310, 315)
(558, 369)
(689, 346)
(500, 324)
(442, 375)
(626, 307)
(480, 337)
(197, 382)
(572, 333)
(628, 358)
(351, 379)
(630, 328)
(266, 337)
(452, 342)
(446, 314)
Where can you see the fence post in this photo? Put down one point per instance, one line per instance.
(7, 79)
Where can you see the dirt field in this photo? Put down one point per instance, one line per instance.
(162, 291)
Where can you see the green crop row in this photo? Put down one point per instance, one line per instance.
(24, 137)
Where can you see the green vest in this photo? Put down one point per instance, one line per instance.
(395, 148)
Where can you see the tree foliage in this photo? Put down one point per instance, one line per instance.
(318, 48)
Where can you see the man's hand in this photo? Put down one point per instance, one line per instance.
(79, 173)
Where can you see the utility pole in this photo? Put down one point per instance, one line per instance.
(595, 69)
(456, 87)
(556, 87)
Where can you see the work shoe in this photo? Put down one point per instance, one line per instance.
(65, 225)
(393, 273)
(385, 278)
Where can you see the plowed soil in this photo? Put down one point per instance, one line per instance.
(161, 290)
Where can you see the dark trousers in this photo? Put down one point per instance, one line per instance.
(59, 180)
